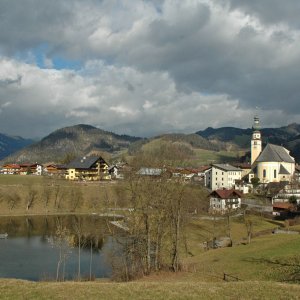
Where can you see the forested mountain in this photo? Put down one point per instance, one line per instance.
(75, 140)
(11, 144)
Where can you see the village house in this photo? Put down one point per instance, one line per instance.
(273, 163)
(151, 172)
(87, 168)
(245, 167)
(22, 169)
(242, 186)
(115, 172)
(223, 201)
(54, 170)
(285, 193)
(222, 176)
(10, 169)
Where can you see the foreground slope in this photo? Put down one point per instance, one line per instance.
(17, 289)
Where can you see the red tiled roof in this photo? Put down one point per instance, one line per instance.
(283, 205)
(226, 194)
(11, 166)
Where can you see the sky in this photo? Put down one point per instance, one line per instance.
(148, 67)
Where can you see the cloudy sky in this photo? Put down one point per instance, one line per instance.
(148, 67)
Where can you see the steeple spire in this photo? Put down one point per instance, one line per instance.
(256, 124)
(256, 143)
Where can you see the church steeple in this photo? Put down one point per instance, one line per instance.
(256, 143)
(256, 125)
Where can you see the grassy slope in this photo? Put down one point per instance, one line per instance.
(201, 156)
(16, 289)
(257, 261)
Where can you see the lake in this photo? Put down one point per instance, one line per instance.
(47, 247)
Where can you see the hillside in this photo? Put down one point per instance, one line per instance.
(76, 140)
(192, 141)
(11, 144)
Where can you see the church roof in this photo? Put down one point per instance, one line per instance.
(275, 153)
(283, 170)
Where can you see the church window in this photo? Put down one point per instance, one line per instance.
(275, 174)
(264, 173)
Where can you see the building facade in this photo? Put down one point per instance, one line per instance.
(224, 201)
(222, 176)
(88, 168)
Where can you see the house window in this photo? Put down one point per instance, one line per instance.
(275, 174)
(264, 173)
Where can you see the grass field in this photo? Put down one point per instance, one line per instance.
(271, 257)
(203, 157)
(54, 195)
(16, 289)
(266, 267)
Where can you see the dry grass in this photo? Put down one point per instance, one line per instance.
(94, 196)
(16, 289)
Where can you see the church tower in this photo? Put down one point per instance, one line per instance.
(256, 144)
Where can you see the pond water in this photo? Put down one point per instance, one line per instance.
(47, 247)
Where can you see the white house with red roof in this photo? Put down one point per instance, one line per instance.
(223, 201)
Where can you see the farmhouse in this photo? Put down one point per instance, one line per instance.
(22, 169)
(223, 201)
(88, 168)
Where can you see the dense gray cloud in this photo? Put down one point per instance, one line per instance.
(147, 67)
(272, 11)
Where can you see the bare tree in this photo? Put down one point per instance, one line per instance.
(61, 241)
(31, 197)
(46, 195)
(76, 198)
(77, 228)
(12, 199)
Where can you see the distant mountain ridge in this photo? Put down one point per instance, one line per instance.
(11, 144)
(85, 139)
(79, 140)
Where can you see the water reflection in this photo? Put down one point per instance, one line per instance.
(55, 247)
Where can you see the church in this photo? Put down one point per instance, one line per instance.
(271, 164)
